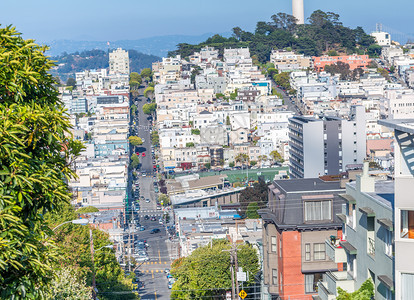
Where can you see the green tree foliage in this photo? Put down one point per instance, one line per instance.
(384, 73)
(231, 164)
(155, 138)
(135, 81)
(282, 79)
(251, 212)
(74, 251)
(195, 131)
(257, 193)
(233, 96)
(190, 145)
(272, 71)
(134, 160)
(87, 209)
(67, 284)
(343, 70)
(146, 73)
(71, 82)
(228, 123)
(242, 158)
(365, 292)
(36, 152)
(253, 163)
(134, 140)
(207, 166)
(206, 272)
(164, 199)
(149, 108)
(323, 33)
(276, 157)
(149, 92)
(134, 109)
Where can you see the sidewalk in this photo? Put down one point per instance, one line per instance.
(173, 249)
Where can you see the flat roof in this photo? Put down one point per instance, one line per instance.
(307, 184)
(405, 125)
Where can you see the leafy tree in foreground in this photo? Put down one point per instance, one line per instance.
(365, 292)
(206, 272)
(67, 285)
(149, 92)
(36, 152)
(134, 160)
(149, 108)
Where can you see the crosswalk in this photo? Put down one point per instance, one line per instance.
(155, 263)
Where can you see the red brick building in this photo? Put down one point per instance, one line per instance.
(354, 61)
(299, 220)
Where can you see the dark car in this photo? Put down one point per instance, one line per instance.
(155, 230)
(146, 217)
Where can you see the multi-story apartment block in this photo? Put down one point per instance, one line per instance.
(400, 103)
(326, 146)
(286, 61)
(119, 62)
(403, 206)
(366, 245)
(382, 38)
(301, 213)
(354, 61)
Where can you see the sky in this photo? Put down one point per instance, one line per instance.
(104, 20)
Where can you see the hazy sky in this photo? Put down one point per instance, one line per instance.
(104, 20)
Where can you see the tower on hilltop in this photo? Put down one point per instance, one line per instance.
(298, 11)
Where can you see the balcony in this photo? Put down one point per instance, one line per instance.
(335, 251)
(327, 289)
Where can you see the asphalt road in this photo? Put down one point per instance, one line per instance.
(142, 127)
(287, 100)
(152, 271)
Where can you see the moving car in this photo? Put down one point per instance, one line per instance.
(143, 154)
(155, 230)
(142, 228)
(147, 200)
(153, 219)
(146, 217)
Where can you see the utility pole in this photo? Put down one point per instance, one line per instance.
(236, 264)
(233, 294)
(93, 265)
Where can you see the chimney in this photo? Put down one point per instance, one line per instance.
(364, 182)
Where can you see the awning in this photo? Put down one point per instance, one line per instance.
(368, 211)
(348, 247)
(341, 217)
(348, 198)
(387, 281)
(387, 223)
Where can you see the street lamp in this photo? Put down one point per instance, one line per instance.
(82, 222)
(107, 246)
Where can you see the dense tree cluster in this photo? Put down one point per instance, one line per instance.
(323, 33)
(256, 194)
(206, 272)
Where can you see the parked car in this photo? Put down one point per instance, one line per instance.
(158, 207)
(155, 230)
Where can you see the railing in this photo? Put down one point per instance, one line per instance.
(371, 246)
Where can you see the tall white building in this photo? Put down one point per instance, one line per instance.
(403, 206)
(382, 38)
(119, 62)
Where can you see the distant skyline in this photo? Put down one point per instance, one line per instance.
(93, 20)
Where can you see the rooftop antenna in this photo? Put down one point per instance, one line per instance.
(379, 27)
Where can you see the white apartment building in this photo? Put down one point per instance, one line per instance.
(119, 62)
(400, 103)
(382, 38)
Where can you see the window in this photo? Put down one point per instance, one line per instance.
(388, 243)
(274, 244)
(318, 210)
(274, 276)
(311, 282)
(319, 251)
(407, 286)
(307, 252)
(407, 224)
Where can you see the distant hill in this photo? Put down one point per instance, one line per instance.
(159, 45)
(324, 34)
(68, 64)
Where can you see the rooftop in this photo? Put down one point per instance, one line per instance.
(307, 185)
(405, 125)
